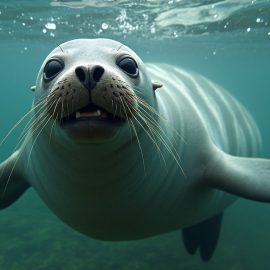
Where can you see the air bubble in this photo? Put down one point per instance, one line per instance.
(104, 26)
(153, 30)
(50, 26)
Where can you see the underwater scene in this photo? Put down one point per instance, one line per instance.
(226, 41)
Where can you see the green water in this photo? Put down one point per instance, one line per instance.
(238, 59)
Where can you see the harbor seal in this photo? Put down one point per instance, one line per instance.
(122, 150)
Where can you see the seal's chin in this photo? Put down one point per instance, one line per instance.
(91, 124)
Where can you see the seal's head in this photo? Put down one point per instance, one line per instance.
(91, 88)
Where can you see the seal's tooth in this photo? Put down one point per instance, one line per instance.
(78, 114)
(98, 113)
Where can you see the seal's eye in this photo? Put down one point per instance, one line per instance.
(52, 68)
(129, 66)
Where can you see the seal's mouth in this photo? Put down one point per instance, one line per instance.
(91, 113)
(91, 124)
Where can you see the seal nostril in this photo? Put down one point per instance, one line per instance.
(89, 76)
(80, 73)
(97, 73)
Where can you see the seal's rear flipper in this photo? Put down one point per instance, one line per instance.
(203, 236)
(12, 181)
(245, 177)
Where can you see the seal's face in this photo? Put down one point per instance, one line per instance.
(92, 88)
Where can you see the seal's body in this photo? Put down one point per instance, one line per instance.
(118, 159)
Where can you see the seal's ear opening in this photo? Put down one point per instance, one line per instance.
(33, 88)
(156, 85)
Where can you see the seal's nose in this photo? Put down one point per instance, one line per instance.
(89, 76)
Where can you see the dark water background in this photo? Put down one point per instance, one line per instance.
(31, 237)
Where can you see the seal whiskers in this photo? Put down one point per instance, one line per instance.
(152, 134)
(9, 177)
(148, 131)
(46, 119)
(155, 128)
(31, 123)
(139, 144)
(54, 122)
(39, 119)
(18, 157)
(20, 121)
(35, 119)
(157, 131)
(41, 103)
(160, 117)
(52, 127)
(127, 118)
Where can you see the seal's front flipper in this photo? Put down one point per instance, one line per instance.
(245, 177)
(12, 181)
(203, 236)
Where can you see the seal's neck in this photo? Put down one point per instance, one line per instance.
(107, 162)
